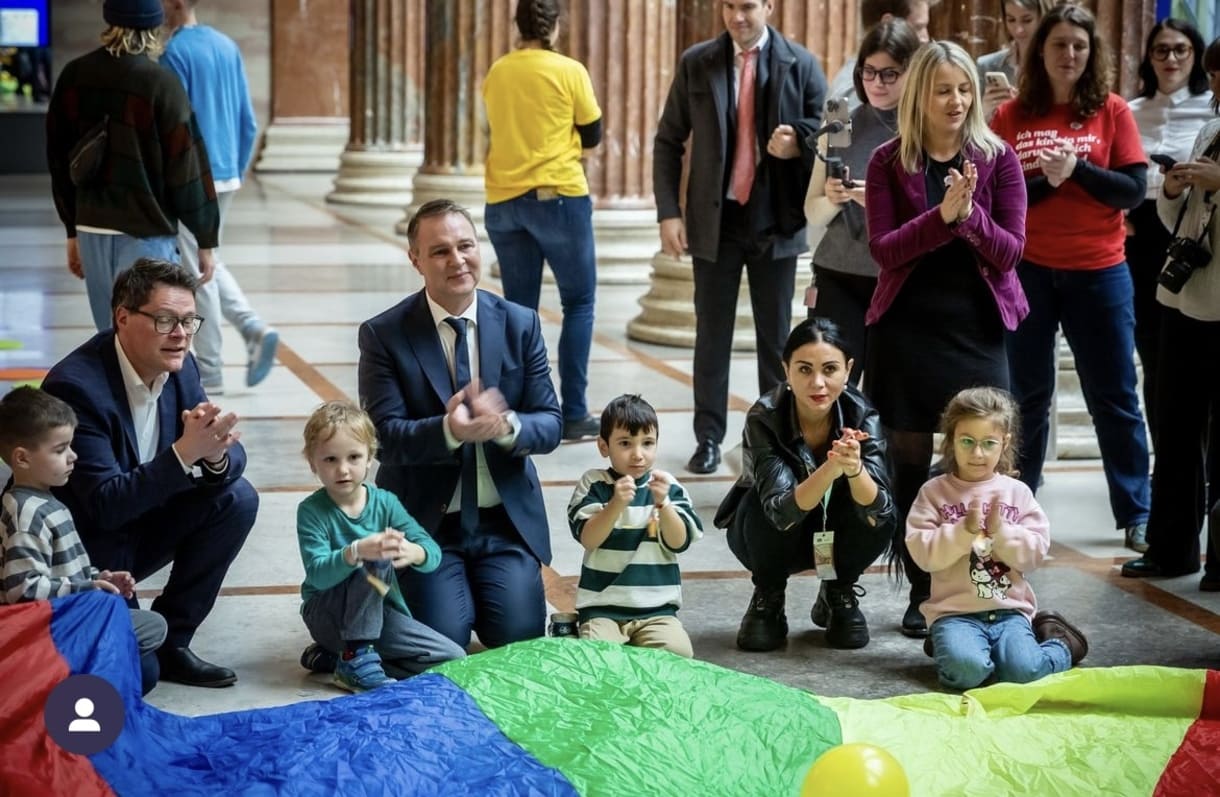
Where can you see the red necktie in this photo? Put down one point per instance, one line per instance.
(744, 149)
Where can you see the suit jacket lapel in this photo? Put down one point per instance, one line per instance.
(420, 333)
(118, 390)
(491, 345)
(717, 65)
(167, 414)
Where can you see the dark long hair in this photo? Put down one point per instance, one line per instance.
(1089, 94)
(1198, 75)
(895, 38)
(536, 20)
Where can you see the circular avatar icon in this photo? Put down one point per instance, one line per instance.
(84, 714)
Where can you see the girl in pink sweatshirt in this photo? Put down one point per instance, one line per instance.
(979, 532)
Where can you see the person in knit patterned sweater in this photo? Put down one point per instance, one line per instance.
(633, 521)
(980, 532)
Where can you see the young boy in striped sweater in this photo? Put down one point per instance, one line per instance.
(633, 521)
(41, 555)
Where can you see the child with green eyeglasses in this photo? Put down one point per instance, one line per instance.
(979, 532)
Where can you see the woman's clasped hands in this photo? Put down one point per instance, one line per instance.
(958, 203)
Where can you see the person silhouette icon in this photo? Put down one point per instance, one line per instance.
(84, 722)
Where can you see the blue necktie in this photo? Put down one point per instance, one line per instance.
(470, 473)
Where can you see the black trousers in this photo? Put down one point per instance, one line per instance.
(200, 531)
(1188, 454)
(717, 284)
(772, 554)
(844, 299)
(1145, 257)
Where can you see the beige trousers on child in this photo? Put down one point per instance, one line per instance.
(651, 632)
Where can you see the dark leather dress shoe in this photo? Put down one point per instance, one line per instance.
(1146, 568)
(182, 666)
(705, 459)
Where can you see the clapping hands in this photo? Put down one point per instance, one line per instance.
(958, 203)
(845, 452)
(119, 582)
(476, 415)
(1058, 161)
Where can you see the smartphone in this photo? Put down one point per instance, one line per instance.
(997, 80)
(837, 109)
(1163, 160)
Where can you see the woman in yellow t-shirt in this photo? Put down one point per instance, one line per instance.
(543, 115)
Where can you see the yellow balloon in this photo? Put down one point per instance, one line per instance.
(856, 770)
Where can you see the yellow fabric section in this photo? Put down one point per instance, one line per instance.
(535, 99)
(1084, 732)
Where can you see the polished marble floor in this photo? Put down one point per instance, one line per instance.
(316, 271)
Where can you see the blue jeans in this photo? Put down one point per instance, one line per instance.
(1095, 309)
(104, 257)
(527, 230)
(970, 648)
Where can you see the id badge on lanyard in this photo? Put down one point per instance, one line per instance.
(824, 544)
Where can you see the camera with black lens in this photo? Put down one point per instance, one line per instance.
(1185, 255)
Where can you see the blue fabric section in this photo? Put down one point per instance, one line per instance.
(423, 736)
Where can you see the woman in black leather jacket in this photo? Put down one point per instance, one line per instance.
(813, 461)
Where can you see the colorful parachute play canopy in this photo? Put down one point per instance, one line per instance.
(568, 717)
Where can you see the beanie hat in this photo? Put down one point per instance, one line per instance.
(134, 14)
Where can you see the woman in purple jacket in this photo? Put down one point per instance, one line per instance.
(946, 225)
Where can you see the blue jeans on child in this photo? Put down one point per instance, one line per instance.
(527, 230)
(104, 256)
(970, 648)
(1096, 311)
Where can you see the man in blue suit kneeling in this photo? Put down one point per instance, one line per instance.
(459, 387)
(158, 475)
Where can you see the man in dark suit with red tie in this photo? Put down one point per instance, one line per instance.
(459, 387)
(745, 196)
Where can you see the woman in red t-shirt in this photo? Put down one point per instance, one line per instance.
(1084, 165)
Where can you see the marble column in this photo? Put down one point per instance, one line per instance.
(462, 39)
(628, 48)
(309, 106)
(385, 144)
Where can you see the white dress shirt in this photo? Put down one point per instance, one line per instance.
(1168, 124)
(143, 404)
(488, 494)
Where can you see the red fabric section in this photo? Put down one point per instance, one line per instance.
(31, 763)
(1194, 770)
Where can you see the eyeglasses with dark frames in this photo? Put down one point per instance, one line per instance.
(1180, 51)
(165, 323)
(887, 76)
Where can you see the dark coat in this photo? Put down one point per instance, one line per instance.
(405, 385)
(700, 102)
(775, 460)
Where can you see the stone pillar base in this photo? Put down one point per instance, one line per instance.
(464, 189)
(668, 308)
(625, 241)
(303, 146)
(376, 177)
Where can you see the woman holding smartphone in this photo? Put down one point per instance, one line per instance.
(1172, 106)
(1021, 18)
(844, 272)
(1084, 165)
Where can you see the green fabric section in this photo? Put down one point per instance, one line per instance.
(1085, 732)
(617, 720)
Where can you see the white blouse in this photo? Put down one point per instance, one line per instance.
(1168, 124)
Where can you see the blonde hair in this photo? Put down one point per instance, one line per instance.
(128, 41)
(921, 75)
(334, 415)
(982, 403)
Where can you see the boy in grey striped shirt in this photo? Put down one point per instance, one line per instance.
(41, 555)
(633, 521)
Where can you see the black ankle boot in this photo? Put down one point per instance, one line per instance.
(764, 626)
(837, 609)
